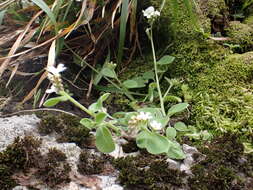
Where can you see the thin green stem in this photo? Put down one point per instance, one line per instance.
(126, 92)
(76, 103)
(156, 73)
(167, 92)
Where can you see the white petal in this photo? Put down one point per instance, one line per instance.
(156, 125)
(61, 68)
(52, 90)
(52, 70)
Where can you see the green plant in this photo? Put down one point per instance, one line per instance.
(146, 124)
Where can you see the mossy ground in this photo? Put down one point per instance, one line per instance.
(225, 167)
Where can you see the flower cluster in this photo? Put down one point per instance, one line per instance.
(142, 116)
(156, 125)
(151, 13)
(55, 77)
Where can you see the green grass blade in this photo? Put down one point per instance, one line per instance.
(2, 13)
(123, 23)
(46, 9)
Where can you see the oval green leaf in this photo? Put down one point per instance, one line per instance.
(171, 133)
(104, 141)
(165, 60)
(180, 126)
(52, 102)
(88, 123)
(177, 108)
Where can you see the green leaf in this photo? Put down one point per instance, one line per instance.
(153, 142)
(109, 72)
(104, 141)
(157, 144)
(100, 117)
(180, 126)
(98, 106)
(53, 101)
(177, 108)
(88, 123)
(141, 139)
(171, 133)
(165, 60)
(175, 151)
(130, 84)
(194, 135)
(148, 75)
(123, 25)
(46, 9)
(172, 99)
(104, 97)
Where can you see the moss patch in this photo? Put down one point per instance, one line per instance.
(90, 164)
(241, 34)
(147, 172)
(223, 167)
(23, 155)
(68, 128)
(54, 170)
(20, 155)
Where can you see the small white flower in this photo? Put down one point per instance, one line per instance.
(143, 116)
(155, 125)
(52, 90)
(150, 12)
(56, 70)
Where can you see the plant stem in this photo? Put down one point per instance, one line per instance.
(156, 74)
(76, 103)
(126, 92)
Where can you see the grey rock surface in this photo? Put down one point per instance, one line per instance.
(20, 126)
(16, 126)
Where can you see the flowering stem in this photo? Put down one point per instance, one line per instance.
(156, 73)
(76, 103)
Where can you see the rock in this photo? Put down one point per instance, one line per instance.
(20, 126)
(189, 149)
(173, 164)
(16, 126)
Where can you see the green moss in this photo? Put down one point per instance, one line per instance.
(249, 21)
(241, 34)
(90, 164)
(54, 170)
(20, 155)
(220, 170)
(223, 95)
(68, 128)
(147, 172)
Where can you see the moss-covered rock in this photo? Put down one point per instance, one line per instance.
(223, 167)
(240, 34)
(20, 155)
(223, 95)
(148, 172)
(23, 155)
(90, 164)
(67, 127)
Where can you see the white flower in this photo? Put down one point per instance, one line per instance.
(150, 13)
(155, 125)
(52, 90)
(56, 70)
(143, 116)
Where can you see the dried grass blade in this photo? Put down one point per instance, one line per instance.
(34, 90)
(17, 44)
